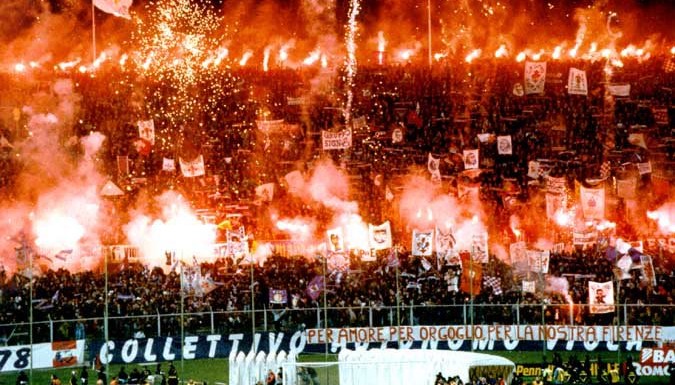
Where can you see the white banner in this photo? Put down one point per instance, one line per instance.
(619, 89)
(584, 238)
(593, 202)
(380, 236)
(265, 192)
(644, 168)
(146, 130)
(595, 333)
(504, 146)
(479, 247)
(556, 185)
(601, 297)
(268, 126)
(518, 252)
(336, 140)
(577, 83)
(433, 165)
(554, 203)
(335, 241)
(59, 354)
(168, 164)
(470, 159)
(192, 168)
(445, 241)
(538, 261)
(535, 77)
(529, 286)
(422, 243)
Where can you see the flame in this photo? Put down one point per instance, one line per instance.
(501, 52)
(473, 55)
(312, 58)
(283, 54)
(664, 218)
(123, 60)
(520, 57)
(405, 54)
(672, 50)
(295, 226)
(562, 218)
(356, 232)
(557, 52)
(20, 67)
(100, 59)
(266, 58)
(381, 44)
(244, 59)
(57, 231)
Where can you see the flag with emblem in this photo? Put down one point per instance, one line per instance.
(445, 241)
(479, 247)
(535, 77)
(422, 243)
(538, 261)
(278, 296)
(637, 139)
(265, 192)
(192, 168)
(119, 8)
(315, 286)
(592, 202)
(495, 283)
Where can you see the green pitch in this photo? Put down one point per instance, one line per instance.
(214, 371)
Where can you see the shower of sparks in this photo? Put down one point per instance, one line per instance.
(350, 42)
(180, 47)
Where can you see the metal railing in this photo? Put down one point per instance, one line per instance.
(290, 320)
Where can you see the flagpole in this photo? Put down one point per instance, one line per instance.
(429, 29)
(93, 31)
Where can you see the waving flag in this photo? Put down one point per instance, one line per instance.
(422, 243)
(432, 166)
(601, 297)
(593, 202)
(315, 286)
(119, 8)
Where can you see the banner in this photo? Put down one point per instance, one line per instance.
(380, 236)
(554, 203)
(470, 159)
(593, 202)
(119, 8)
(444, 337)
(556, 185)
(445, 241)
(584, 238)
(518, 252)
(626, 188)
(335, 241)
(146, 130)
(504, 146)
(422, 243)
(432, 166)
(601, 297)
(278, 296)
(168, 165)
(577, 83)
(268, 126)
(535, 77)
(265, 192)
(336, 140)
(529, 286)
(192, 168)
(648, 269)
(359, 123)
(644, 168)
(538, 261)
(58, 354)
(479, 247)
(622, 90)
(397, 136)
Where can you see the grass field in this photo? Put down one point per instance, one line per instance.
(215, 371)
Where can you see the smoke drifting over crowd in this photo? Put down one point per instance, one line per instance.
(57, 205)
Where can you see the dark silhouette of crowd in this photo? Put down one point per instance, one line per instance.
(439, 111)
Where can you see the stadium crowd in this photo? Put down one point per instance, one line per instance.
(439, 111)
